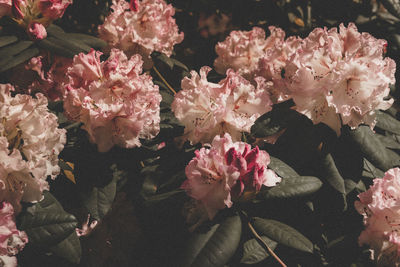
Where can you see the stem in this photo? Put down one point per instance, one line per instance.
(265, 244)
(164, 81)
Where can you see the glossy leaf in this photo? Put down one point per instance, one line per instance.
(69, 249)
(282, 169)
(283, 234)
(212, 246)
(254, 252)
(331, 173)
(292, 187)
(20, 58)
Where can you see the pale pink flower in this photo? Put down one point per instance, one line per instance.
(34, 130)
(16, 181)
(53, 9)
(231, 106)
(12, 240)
(223, 172)
(36, 15)
(36, 31)
(241, 51)
(5, 8)
(116, 103)
(380, 207)
(340, 77)
(150, 28)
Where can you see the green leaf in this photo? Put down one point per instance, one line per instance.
(54, 45)
(212, 246)
(71, 43)
(100, 199)
(292, 187)
(387, 122)
(6, 40)
(283, 234)
(331, 174)
(20, 58)
(14, 49)
(388, 141)
(46, 223)
(179, 64)
(69, 249)
(282, 169)
(273, 121)
(165, 59)
(373, 149)
(91, 41)
(254, 252)
(370, 171)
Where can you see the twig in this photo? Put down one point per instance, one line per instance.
(164, 81)
(265, 244)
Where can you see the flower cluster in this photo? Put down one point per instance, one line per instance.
(11, 240)
(44, 74)
(230, 106)
(340, 77)
(223, 173)
(116, 103)
(147, 27)
(34, 15)
(30, 143)
(334, 77)
(381, 211)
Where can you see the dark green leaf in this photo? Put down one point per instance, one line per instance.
(91, 41)
(282, 169)
(14, 49)
(6, 40)
(46, 223)
(273, 121)
(212, 246)
(292, 187)
(254, 252)
(100, 199)
(373, 149)
(55, 46)
(331, 174)
(165, 59)
(179, 64)
(20, 58)
(71, 43)
(283, 234)
(370, 171)
(69, 249)
(387, 122)
(388, 141)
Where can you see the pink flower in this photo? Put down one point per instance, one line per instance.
(53, 9)
(340, 77)
(35, 15)
(36, 31)
(11, 240)
(150, 28)
(5, 8)
(32, 129)
(230, 106)
(222, 173)
(116, 103)
(380, 209)
(241, 51)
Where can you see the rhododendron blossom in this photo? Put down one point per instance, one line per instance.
(150, 28)
(32, 129)
(45, 74)
(340, 77)
(381, 211)
(11, 239)
(116, 103)
(230, 106)
(222, 173)
(34, 15)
